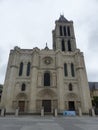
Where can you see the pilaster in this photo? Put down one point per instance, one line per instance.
(60, 81)
(34, 78)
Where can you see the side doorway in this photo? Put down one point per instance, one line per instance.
(21, 105)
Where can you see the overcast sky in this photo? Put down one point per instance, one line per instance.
(29, 23)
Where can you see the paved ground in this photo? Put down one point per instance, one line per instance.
(48, 123)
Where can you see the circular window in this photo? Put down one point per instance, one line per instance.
(47, 60)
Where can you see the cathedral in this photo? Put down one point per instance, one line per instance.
(48, 78)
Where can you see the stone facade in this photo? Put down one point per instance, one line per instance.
(48, 78)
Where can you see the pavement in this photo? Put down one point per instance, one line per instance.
(48, 123)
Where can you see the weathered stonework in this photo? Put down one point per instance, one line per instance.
(57, 94)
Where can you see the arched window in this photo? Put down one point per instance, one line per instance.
(63, 45)
(46, 79)
(23, 87)
(68, 30)
(21, 69)
(65, 70)
(61, 33)
(72, 70)
(69, 45)
(28, 69)
(70, 87)
(64, 30)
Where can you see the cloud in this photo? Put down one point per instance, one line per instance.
(29, 23)
(93, 39)
(2, 72)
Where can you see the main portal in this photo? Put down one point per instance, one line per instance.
(47, 105)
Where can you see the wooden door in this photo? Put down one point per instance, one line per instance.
(71, 105)
(21, 105)
(47, 105)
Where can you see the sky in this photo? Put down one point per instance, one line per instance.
(29, 23)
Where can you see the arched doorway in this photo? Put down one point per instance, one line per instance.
(22, 102)
(71, 101)
(47, 99)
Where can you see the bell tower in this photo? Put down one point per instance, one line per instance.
(63, 35)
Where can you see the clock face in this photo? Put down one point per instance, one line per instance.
(47, 60)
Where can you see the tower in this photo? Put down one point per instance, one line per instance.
(63, 35)
(75, 77)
